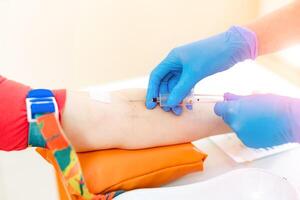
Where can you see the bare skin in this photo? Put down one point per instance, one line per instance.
(126, 123)
(279, 29)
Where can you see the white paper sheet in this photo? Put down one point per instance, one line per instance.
(233, 147)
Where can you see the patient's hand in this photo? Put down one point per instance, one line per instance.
(126, 123)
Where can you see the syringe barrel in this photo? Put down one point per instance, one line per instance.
(192, 98)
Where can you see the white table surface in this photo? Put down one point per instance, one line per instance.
(246, 78)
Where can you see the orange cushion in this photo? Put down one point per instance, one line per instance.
(116, 169)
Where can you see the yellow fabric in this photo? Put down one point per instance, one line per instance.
(116, 169)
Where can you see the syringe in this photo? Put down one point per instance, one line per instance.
(190, 99)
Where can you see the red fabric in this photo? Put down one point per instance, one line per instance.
(13, 118)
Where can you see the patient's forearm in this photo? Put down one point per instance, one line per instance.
(126, 123)
(156, 127)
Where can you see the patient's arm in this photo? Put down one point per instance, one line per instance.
(126, 123)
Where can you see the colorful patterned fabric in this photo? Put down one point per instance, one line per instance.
(65, 156)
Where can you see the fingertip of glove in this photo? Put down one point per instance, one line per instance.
(189, 107)
(219, 108)
(166, 109)
(177, 110)
(150, 105)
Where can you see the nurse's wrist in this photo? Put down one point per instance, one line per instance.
(244, 42)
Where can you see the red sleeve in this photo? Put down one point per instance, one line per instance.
(13, 118)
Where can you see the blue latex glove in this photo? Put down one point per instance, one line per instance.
(262, 121)
(186, 65)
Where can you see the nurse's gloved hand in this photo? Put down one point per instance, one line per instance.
(186, 65)
(262, 121)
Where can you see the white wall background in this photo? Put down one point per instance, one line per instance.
(71, 43)
(74, 43)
